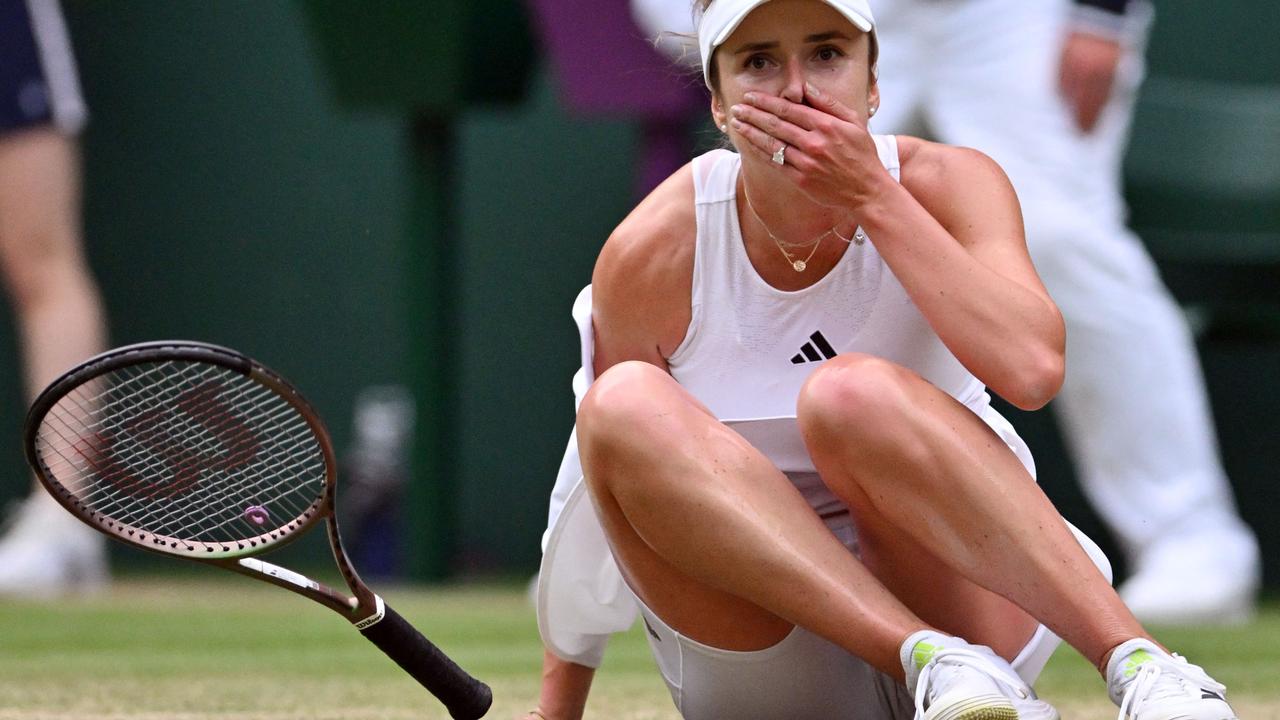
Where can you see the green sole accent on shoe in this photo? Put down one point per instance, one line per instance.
(980, 708)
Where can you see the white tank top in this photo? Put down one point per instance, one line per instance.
(748, 350)
(750, 346)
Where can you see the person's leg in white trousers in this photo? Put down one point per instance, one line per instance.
(1133, 409)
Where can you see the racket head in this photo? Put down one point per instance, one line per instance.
(183, 448)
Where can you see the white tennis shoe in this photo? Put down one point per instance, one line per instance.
(973, 683)
(1150, 684)
(46, 552)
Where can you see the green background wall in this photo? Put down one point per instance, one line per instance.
(231, 197)
(539, 194)
(227, 200)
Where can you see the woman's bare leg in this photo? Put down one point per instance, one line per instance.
(713, 537)
(60, 322)
(932, 487)
(54, 297)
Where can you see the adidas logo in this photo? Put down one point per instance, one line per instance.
(817, 349)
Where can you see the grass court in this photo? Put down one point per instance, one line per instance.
(205, 646)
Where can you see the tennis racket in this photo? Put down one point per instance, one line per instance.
(196, 451)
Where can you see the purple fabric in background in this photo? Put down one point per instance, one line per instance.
(603, 66)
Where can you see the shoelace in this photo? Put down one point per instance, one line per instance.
(1146, 685)
(966, 658)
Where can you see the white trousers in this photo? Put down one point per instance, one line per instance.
(983, 74)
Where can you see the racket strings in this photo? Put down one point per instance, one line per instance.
(208, 497)
(197, 520)
(143, 407)
(213, 496)
(194, 517)
(185, 450)
(102, 496)
(135, 446)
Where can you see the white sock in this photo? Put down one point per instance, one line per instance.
(1124, 661)
(918, 649)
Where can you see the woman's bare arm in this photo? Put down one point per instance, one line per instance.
(951, 231)
(565, 686)
(642, 281)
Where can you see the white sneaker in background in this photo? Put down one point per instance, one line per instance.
(973, 683)
(1150, 684)
(1207, 577)
(46, 552)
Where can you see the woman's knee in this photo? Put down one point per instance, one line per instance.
(854, 393)
(625, 407)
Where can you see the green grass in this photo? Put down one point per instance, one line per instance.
(215, 647)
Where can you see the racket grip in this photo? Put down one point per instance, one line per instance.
(465, 697)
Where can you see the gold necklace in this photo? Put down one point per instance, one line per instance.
(798, 265)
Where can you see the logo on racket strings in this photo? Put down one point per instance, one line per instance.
(165, 452)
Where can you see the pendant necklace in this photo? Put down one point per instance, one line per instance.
(797, 264)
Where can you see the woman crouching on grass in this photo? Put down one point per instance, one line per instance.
(787, 462)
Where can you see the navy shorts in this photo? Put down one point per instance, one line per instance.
(38, 84)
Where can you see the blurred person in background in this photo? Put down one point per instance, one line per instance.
(44, 551)
(1047, 88)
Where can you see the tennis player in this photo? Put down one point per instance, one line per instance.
(1048, 88)
(785, 460)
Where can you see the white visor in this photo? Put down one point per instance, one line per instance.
(724, 16)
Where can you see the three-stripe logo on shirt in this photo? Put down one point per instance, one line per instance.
(816, 349)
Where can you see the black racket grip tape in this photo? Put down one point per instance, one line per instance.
(466, 697)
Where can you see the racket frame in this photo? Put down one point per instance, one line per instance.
(362, 609)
